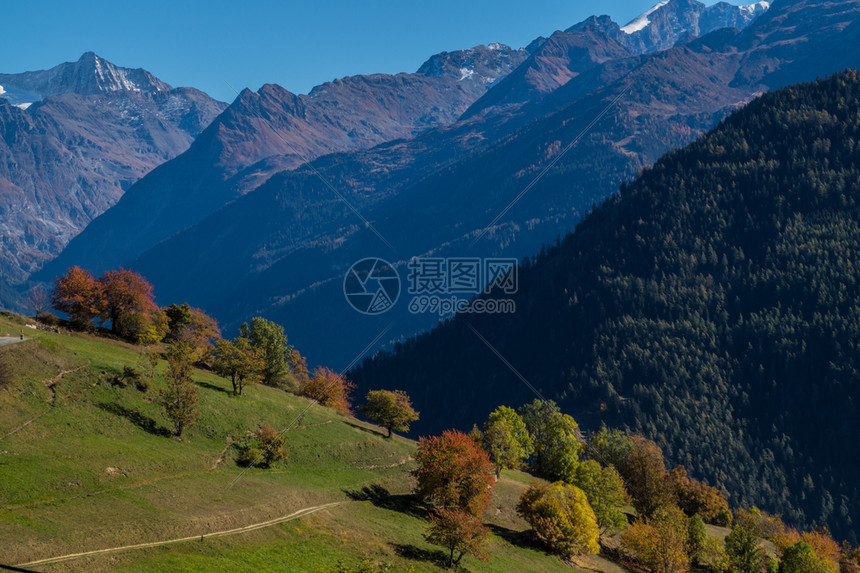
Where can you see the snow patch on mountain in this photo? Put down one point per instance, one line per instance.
(2, 91)
(466, 73)
(642, 20)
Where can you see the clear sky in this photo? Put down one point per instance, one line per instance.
(205, 44)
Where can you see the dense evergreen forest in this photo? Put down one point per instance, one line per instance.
(711, 305)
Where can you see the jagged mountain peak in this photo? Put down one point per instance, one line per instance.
(89, 75)
(484, 64)
(670, 21)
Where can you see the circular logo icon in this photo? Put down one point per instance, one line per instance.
(371, 286)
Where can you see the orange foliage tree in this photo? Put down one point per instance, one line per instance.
(659, 543)
(330, 389)
(695, 497)
(454, 473)
(459, 532)
(124, 293)
(77, 294)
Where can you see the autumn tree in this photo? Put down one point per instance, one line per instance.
(390, 409)
(269, 337)
(695, 497)
(646, 476)
(267, 449)
(330, 389)
(145, 328)
(242, 363)
(298, 374)
(556, 438)
(124, 294)
(659, 542)
(454, 473)
(460, 532)
(605, 491)
(77, 294)
(179, 398)
(195, 328)
(561, 518)
(506, 439)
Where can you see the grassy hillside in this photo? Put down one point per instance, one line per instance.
(86, 464)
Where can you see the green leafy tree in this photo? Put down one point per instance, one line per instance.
(611, 447)
(239, 361)
(743, 551)
(390, 409)
(179, 398)
(801, 558)
(270, 339)
(696, 536)
(556, 438)
(506, 439)
(561, 518)
(605, 491)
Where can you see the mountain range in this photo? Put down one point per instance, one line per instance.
(278, 245)
(72, 140)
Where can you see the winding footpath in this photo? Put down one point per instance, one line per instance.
(295, 515)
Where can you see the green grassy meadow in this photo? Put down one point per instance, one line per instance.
(86, 464)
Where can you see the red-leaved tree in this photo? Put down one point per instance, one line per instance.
(77, 294)
(124, 294)
(459, 532)
(454, 473)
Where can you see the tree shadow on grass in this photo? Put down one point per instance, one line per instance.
(525, 539)
(143, 422)
(413, 553)
(384, 434)
(210, 386)
(381, 497)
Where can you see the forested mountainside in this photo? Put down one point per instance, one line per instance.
(713, 304)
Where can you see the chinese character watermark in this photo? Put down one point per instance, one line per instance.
(438, 285)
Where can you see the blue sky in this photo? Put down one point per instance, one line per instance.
(295, 44)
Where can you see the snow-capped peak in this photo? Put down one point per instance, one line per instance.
(642, 20)
(2, 91)
(752, 8)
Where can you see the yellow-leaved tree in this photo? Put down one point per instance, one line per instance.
(561, 518)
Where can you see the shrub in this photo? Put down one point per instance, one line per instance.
(266, 450)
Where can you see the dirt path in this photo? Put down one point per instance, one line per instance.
(7, 340)
(295, 515)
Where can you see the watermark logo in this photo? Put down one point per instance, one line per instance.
(371, 286)
(438, 285)
(445, 286)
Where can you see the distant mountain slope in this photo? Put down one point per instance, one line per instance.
(566, 54)
(282, 250)
(713, 305)
(273, 129)
(72, 140)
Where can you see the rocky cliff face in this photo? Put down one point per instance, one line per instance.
(72, 140)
